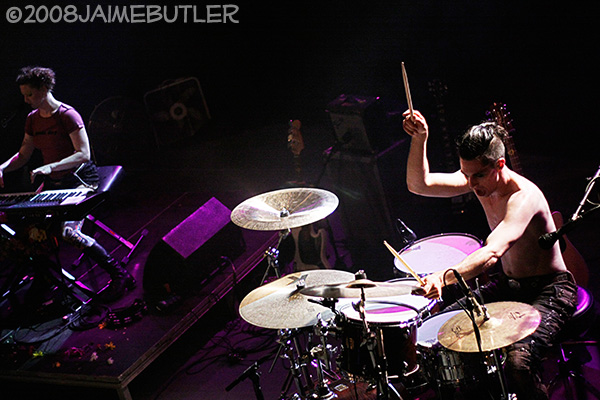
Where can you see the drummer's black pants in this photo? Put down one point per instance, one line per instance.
(555, 297)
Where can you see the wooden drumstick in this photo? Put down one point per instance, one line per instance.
(412, 272)
(407, 90)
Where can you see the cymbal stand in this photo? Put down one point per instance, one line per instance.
(288, 343)
(272, 255)
(470, 310)
(496, 358)
(320, 354)
(501, 377)
(374, 340)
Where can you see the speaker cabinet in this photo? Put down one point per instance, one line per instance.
(177, 110)
(186, 257)
(359, 124)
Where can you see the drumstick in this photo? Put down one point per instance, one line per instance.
(412, 272)
(407, 90)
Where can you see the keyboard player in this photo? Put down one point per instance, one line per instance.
(58, 132)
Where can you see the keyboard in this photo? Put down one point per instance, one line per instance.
(66, 203)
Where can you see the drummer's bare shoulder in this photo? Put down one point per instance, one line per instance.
(526, 258)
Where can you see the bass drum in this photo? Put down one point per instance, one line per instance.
(436, 253)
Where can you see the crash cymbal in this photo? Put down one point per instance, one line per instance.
(352, 289)
(280, 305)
(284, 209)
(509, 322)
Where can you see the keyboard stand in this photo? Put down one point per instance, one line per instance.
(58, 277)
(108, 175)
(131, 246)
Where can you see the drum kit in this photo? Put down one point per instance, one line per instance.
(390, 341)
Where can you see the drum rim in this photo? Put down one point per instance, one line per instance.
(469, 235)
(413, 321)
(398, 266)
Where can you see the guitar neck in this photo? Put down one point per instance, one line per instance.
(511, 151)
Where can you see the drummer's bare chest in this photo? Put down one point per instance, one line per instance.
(495, 210)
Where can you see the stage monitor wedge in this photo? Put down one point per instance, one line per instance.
(186, 257)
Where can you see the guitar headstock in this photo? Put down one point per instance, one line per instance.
(498, 114)
(438, 89)
(295, 141)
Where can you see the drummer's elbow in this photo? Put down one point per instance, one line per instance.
(493, 260)
(416, 187)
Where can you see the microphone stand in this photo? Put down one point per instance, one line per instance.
(548, 239)
(586, 195)
(252, 373)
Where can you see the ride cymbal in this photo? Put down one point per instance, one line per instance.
(280, 305)
(509, 322)
(284, 209)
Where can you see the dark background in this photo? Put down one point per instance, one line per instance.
(288, 60)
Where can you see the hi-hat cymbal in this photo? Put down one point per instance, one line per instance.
(280, 305)
(509, 322)
(284, 209)
(354, 289)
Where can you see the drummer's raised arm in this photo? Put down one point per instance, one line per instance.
(419, 179)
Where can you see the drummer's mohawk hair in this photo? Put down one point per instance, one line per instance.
(483, 142)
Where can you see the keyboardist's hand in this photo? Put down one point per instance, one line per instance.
(43, 170)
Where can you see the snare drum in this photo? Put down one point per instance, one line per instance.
(397, 317)
(445, 367)
(437, 253)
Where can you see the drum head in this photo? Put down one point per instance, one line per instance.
(437, 253)
(389, 311)
(427, 333)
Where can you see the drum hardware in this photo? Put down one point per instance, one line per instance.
(272, 255)
(280, 305)
(472, 305)
(320, 355)
(289, 346)
(475, 307)
(407, 236)
(373, 340)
